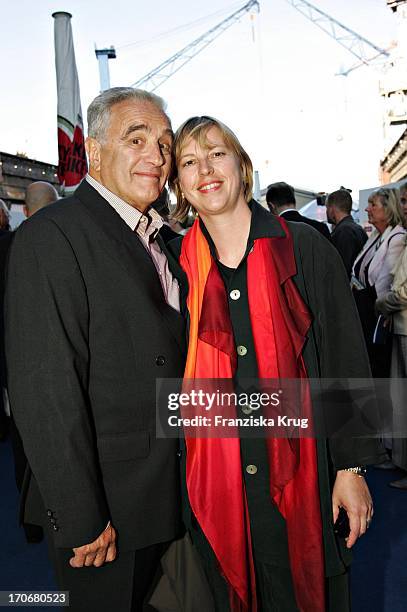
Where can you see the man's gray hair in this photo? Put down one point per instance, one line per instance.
(99, 109)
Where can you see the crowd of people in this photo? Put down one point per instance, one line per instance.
(105, 296)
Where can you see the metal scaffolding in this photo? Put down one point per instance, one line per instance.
(164, 71)
(356, 44)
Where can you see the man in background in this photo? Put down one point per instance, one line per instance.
(38, 195)
(280, 199)
(4, 420)
(347, 236)
(4, 218)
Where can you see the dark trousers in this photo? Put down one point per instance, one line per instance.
(125, 585)
(274, 585)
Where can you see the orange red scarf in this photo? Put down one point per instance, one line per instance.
(279, 321)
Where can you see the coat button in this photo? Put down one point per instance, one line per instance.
(53, 521)
(241, 350)
(179, 454)
(49, 513)
(251, 469)
(235, 294)
(160, 360)
(56, 528)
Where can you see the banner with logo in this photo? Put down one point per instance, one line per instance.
(72, 164)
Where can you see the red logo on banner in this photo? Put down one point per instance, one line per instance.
(72, 165)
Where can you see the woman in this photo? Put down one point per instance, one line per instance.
(260, 291)
(394, 305)
(373, 267)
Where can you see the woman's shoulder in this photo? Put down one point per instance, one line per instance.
(397, 230)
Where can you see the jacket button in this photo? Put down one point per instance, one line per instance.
(53, 521)
(241, 350)
(179, 454)
(49, 513)
(251, 469)
(160, 360)
(56, 528)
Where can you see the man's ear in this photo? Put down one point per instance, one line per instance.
(25, 211)
(93, 150)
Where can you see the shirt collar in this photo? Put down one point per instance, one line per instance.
(287, 210)
(146, 225)
(347, 219)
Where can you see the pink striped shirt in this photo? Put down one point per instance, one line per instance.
(146, 227)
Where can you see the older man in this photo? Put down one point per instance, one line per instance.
(93, 318)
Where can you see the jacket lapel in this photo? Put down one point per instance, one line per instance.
(122, 245)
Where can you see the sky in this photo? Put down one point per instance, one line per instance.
(270, 77)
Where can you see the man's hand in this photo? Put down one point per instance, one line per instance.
(352, 493)
(102, 550)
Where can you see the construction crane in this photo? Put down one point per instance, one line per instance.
(164, 71)
(356, 44)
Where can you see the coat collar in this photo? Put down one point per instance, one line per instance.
(344, 221)
(263, 225)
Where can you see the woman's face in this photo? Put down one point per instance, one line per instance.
(377, 213)
(210, 177)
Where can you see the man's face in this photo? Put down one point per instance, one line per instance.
(134, 159)
(330, 213)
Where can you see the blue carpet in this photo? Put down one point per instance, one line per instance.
(379, 571)
(22, 566)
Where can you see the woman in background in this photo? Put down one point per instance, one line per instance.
(372, 273)
(394, 305)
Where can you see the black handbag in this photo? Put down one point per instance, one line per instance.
(383, 331)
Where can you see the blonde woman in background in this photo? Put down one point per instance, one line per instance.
(394, 304)
(372, 272)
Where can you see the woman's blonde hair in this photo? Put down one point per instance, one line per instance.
(197, 128)
(390, 200)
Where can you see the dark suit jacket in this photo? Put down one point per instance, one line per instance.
(294, 215)
(88, 332)
(348, 238)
